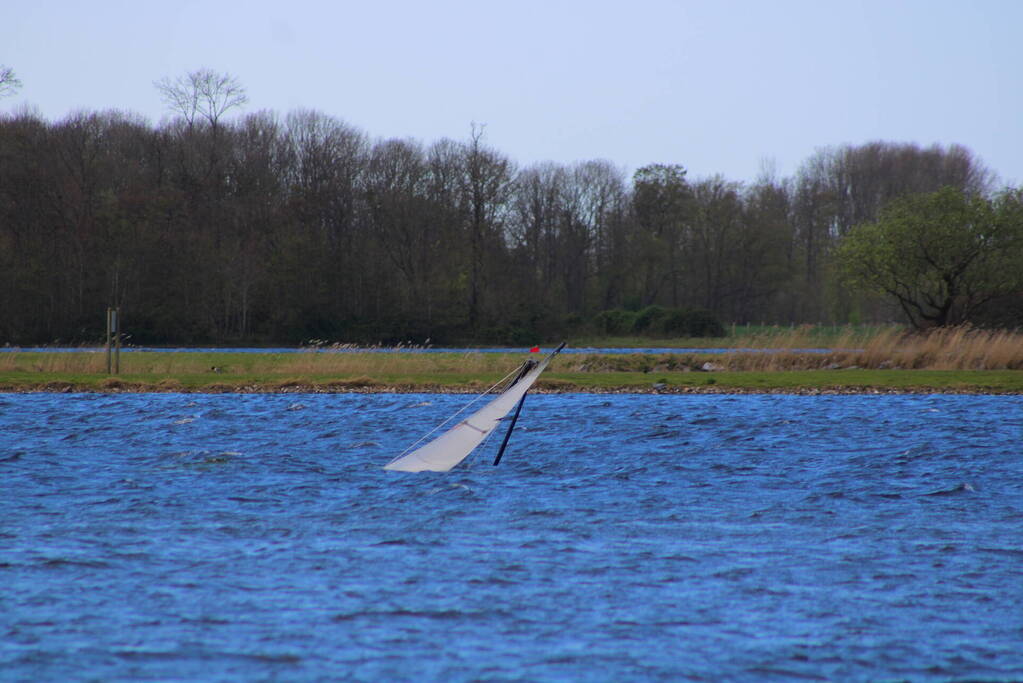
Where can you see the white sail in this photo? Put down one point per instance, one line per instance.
(451, 447)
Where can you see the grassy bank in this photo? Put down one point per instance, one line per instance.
(886, 361)
(793, 381)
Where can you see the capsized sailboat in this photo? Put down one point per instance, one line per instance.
(454, 445)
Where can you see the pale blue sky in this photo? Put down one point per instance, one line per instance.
(718, 87)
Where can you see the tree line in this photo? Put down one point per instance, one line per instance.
(264, 229)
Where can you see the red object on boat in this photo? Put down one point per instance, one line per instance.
(535, 349)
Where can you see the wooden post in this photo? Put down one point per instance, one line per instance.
(117, 340)
(109, 320)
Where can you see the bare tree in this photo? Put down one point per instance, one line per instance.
(9, 83)
(662, 203)
(202, 94)
(486, 186)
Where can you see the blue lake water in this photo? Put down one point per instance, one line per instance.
(634, 537)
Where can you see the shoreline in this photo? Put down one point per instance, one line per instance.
(474, 373)
(119, 387)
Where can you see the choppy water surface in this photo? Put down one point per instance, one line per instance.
(623, 538)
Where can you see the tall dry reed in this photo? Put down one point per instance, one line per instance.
(960, 348)
(954, 348)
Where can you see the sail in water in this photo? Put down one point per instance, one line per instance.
(452, 447)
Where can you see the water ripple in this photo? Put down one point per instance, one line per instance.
(622, 538)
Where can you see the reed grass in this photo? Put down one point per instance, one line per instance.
(958, 348)
(751, 336)
(961, 349)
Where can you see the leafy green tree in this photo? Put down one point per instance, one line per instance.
(838, 188)
(940, 255)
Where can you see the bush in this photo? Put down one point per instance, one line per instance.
(697, 322)
(650, 320)
(614, 322)
(509, 335)
(657, 320)
(573, 322)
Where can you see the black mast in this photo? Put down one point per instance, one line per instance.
(507, 434)
(526, 367)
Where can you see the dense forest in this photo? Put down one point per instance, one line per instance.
(269, 229)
